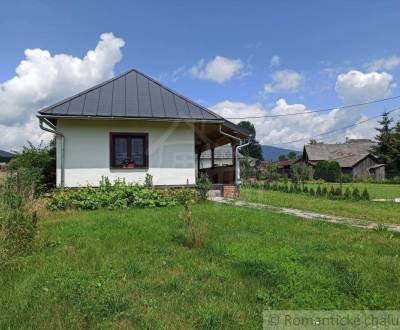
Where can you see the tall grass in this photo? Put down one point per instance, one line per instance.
(18, 216)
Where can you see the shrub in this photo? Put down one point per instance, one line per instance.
(327, 170)
(193, 236)
(311, 191)
(305, 190)
(300, 173)
(148, 181)
(356, 194)
(347, 193)
(324, 191)
(365, 195)
(347, 178)
(118, 196)
(41, 159)
(270, 173)
(266, 185)
(203, 185)
(331, 193)
(318, 192)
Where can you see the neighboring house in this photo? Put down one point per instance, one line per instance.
(132, 125)
(5, 157)
(354, 157)
(285, 166)
(222, 157)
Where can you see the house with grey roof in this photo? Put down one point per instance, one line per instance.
(354, 157)
(132, 125)
(5, 157)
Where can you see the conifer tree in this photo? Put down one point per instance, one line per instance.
(384, 139)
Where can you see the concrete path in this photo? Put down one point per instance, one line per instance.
(311, 215)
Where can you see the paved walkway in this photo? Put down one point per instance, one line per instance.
(311, 215)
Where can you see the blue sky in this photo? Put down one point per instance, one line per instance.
(314, 42)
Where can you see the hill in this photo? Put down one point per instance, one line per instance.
(271, 153)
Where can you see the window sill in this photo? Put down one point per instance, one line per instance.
(129, 168)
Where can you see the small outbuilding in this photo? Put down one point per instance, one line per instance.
(354, 157)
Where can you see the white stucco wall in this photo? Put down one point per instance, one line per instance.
(87, 152)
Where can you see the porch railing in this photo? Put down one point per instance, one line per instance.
(220, 174)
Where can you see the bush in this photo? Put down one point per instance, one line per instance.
(318, 192)
(347, 178)
(270, 172)
(203, 185)
(305, 190)
(327, 170)
(118, 196)
(148, 181)
(365, 195)
(347, 193)
(331, 193)
(41, 159)
(356, 194)
(311, 191)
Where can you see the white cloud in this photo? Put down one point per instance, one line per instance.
(279, 130)
(284, 81)
(387, 64)
(42, 79)
(220, 69)
(275, 61)
(357, 87)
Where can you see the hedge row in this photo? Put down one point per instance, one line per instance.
(331, 193)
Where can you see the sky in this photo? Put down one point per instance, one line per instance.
(239, 58)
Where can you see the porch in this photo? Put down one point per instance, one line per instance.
(207, 138)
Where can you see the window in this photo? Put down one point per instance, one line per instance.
(129, 150)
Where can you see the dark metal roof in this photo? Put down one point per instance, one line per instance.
(131, 95)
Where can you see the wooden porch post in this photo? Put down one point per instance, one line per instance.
(212, 157)
(198, 150)
(234, 160)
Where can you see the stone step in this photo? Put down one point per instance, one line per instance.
(214, 193)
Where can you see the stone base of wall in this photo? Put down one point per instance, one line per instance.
(230, 191)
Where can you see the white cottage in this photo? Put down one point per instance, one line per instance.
(132, 125)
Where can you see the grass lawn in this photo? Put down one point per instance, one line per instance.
(383, 212)
(133, 269)
(376, 190)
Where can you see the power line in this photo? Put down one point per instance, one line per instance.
(336, 130)
(320, 110)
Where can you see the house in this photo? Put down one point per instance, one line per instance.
(5, 157)
(132, 125)
(285, 166)
(354, 157)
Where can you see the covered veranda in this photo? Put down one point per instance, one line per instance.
(208, 136)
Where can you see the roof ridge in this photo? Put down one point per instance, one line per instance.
(85, 91)
(178, 94)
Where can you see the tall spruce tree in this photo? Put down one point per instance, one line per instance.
(384, 141)
(396, 148)
(254, 148)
